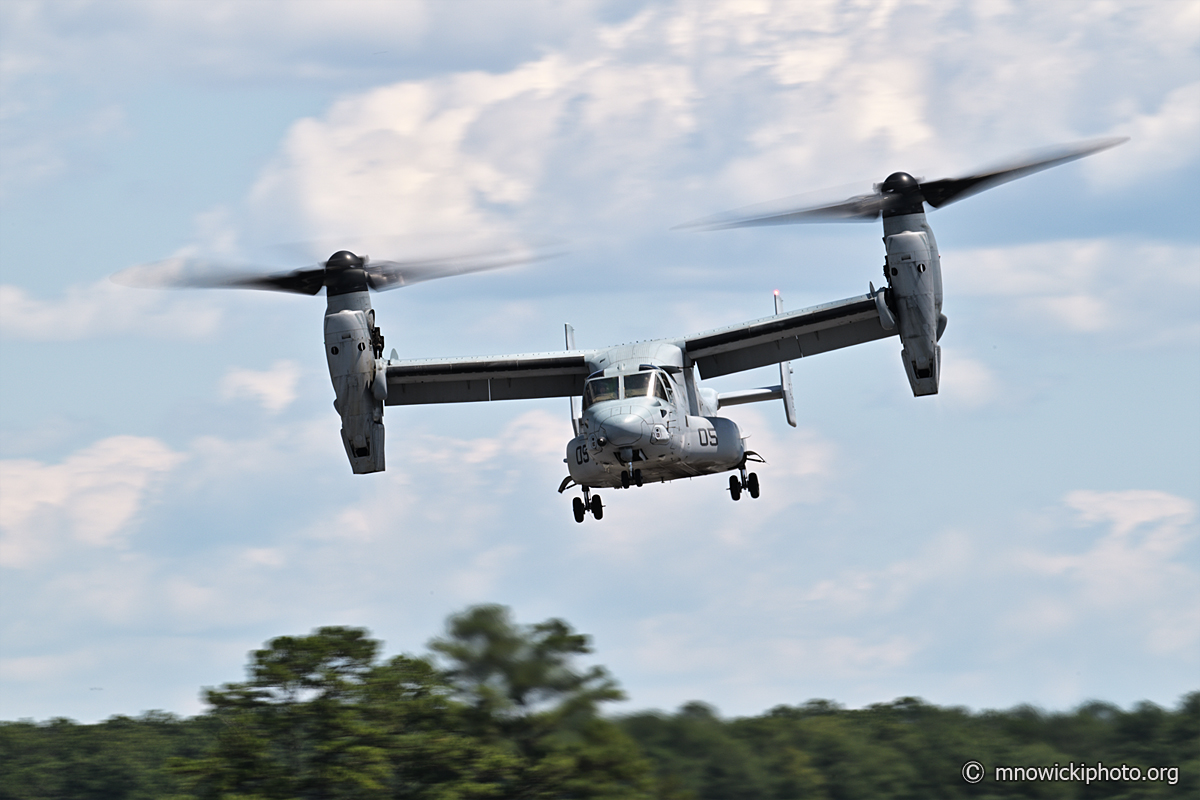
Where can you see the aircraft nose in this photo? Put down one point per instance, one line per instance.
(624, 430)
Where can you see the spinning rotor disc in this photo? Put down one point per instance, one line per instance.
(901, 193)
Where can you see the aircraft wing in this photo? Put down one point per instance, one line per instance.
(784, 337)
(481, 378)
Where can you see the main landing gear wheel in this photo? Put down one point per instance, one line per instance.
(747, 482)
(589, 503)
(624, 479)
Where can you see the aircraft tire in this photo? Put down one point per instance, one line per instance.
(637, 477)
(624, 479)
(579, 509)
(752, 485)
(735, 487)
(597, 508)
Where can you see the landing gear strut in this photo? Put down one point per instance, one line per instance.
(588, 503)
(747, 482)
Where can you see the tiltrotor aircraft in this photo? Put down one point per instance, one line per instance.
(638, 413)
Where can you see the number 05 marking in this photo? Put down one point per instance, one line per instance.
(708, 436)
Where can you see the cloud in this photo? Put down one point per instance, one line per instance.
(966, 603)
(1139, 289)
(448, 157)
(891, 589)
(91, 499)
(723, 100)
(1160, 142)
(766, 614)
(274, 389)
(103, 309)
(38, 668)
(967, 382)
(1132, 575)
(1129, 510)
(225, 39)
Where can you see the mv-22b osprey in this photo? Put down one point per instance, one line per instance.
(638, 413)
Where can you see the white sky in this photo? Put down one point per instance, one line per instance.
(173, 490)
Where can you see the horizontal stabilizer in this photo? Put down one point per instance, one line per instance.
(749, 396)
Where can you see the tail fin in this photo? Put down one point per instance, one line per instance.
(785, 376)
(575, 412)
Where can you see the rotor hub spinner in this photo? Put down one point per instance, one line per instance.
(343, 259)
(899, 183)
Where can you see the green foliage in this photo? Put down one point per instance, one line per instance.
(501, 710)
(521, 693)
(909, 749)
(121, 758)
(505, 669)
(319, 717)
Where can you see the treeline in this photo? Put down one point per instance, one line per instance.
(501, 710)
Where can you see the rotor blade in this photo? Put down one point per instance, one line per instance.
(385, 275)
(195, 274)
(948, 190)
(796, 209)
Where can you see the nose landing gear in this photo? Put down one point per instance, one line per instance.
(626, 480)
(747, 482)
(588, 503)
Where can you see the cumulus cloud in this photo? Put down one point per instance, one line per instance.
(1161, 142)
(228, 39)
(446, 157)
(1147, 529)
(49, 53)
(1142, 289)
(967, 382)
(1134, 574)
(962, 605)
(274, 389)
(92, 498)
(103, 309)
(732, 102)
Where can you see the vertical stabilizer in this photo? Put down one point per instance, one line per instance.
(576, 412)
(785, 376)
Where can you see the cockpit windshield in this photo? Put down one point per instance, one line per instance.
(600, 389)
(647, 384)
(639, 384)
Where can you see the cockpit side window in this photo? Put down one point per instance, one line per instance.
(662, 388)
(600, 389)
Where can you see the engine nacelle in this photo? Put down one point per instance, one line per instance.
(583, 468)
(712, 443)
(353, 370)
(915, 275)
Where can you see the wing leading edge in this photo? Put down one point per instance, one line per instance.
(784, 337)
(483, 378)
(723, 351)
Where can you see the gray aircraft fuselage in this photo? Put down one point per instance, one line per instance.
(642, 412)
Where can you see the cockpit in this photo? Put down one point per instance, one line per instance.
(649, 382)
